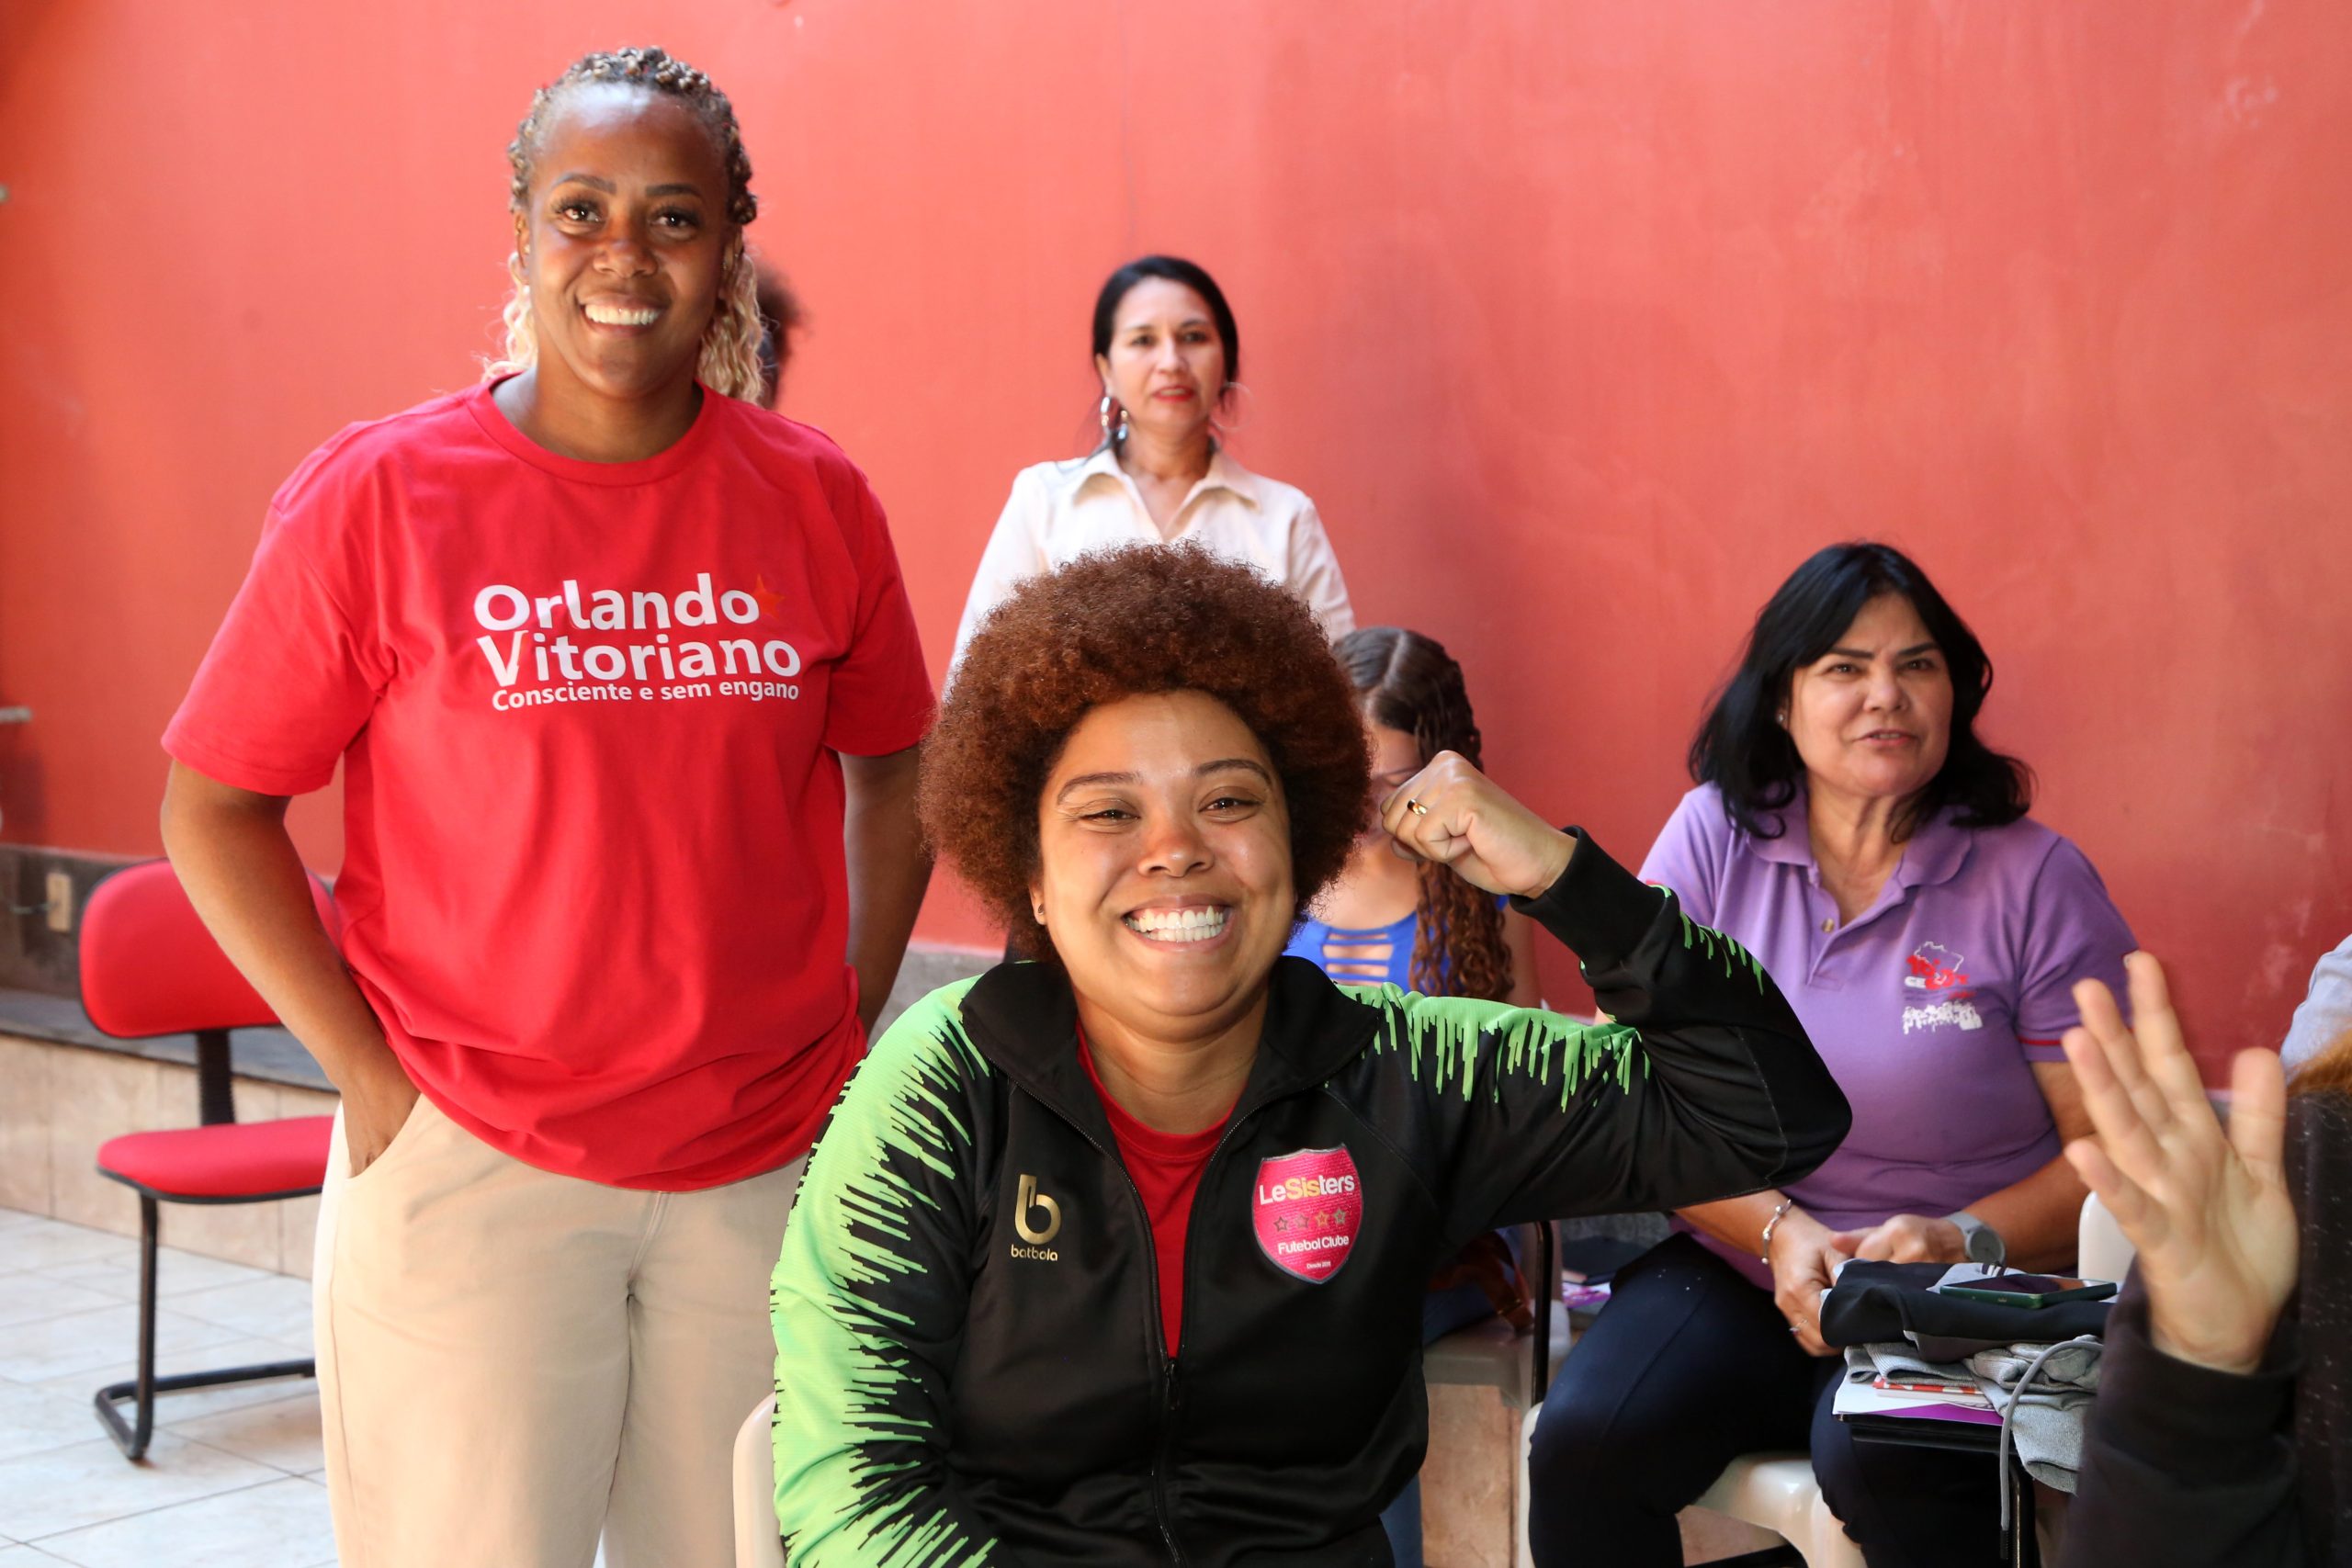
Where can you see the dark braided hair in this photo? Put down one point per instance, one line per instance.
(731, 346)
(1408, 681)
(657, 70)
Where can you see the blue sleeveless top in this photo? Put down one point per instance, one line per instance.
(1312, 940)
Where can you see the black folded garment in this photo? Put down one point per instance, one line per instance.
(1874, 1303)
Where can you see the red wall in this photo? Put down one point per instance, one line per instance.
(1584, 322)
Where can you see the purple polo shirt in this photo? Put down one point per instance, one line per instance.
(1929, 1007)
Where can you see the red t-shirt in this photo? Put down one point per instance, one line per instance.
(1166, 1168)
(593, 881)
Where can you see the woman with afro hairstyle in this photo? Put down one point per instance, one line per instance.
(614, 662)
(1117, 1257)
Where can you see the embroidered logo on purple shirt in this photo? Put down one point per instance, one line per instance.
(1935, 969)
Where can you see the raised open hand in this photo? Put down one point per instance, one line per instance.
(2208, 1210)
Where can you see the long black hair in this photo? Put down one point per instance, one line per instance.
(1742, 749)
(1174, 269)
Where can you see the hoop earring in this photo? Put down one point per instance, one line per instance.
(1104, 415)
(1248, 407)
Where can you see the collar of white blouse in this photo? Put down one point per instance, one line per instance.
(1224, 474)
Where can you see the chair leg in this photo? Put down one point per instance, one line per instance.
(133, 1438)
(134, 1435)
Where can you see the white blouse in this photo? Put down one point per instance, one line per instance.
(1058, 512)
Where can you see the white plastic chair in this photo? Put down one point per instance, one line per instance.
(2102, 1250)
(1522, 1554)
(1776, 1491)
(757, 1543)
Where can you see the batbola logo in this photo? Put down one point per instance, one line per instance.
(1030, 1205)
(1306, 1209)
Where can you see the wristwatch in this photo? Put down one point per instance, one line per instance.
(1983, 1243)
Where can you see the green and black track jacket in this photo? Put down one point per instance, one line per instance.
(970, 1366)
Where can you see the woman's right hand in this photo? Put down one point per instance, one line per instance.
(1454, 814)
(233, 854)
(2207, 1209)
(1804, 1254)
(376, 1102)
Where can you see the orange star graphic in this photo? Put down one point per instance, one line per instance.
(770, 604)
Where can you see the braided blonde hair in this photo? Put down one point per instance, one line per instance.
(731, 346)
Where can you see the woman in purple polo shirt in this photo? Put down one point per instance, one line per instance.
(1852, 830)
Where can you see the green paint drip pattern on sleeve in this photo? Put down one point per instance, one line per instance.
(1441, 1040)
(1441, 1037)
(859, 1212)
(1712, 941)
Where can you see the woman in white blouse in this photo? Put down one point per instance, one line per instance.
(1170, 358)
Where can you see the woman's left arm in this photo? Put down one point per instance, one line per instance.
(878, 706)
(2037, 1219)
(888, 869)
(1702, 1086)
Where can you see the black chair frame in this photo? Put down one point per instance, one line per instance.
(216, 1103)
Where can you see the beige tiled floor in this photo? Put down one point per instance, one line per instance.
(232, 1480)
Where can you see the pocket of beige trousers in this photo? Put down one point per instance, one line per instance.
(401, 1139)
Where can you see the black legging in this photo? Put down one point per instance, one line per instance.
(1691, 1365)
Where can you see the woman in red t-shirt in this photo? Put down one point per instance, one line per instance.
(624, 687)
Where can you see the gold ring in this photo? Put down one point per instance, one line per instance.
(1417, 809)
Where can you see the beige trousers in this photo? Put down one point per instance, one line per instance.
(513, 1363)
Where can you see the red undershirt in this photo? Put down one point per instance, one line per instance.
(1166, 1168)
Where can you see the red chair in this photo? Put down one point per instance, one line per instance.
(149, 967)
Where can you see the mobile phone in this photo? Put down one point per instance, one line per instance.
(2030, 1290)
(1923, 1384)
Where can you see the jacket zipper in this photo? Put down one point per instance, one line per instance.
(1171, 1391)
(1172, 1394)
(1172, 1400)
(1167, 1395)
